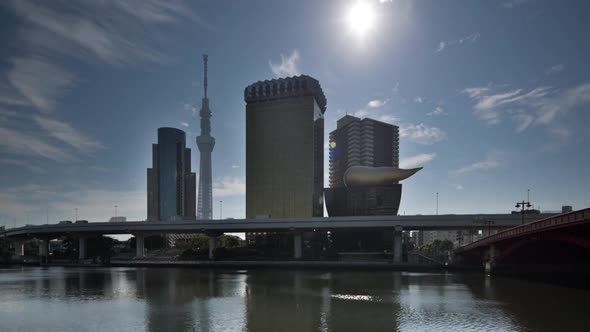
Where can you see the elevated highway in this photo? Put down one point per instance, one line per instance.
(213, 228)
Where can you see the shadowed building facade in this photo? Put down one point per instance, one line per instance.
(171, 185)
(356, 144)
(284, 148)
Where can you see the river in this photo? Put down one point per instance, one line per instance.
(185, 299)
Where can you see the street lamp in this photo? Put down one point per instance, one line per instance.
(522, 205)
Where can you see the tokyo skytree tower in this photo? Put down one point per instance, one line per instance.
(205, 143)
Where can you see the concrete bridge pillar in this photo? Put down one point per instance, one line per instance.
(297, 245)
(490, 262)
(139, 245)
(19, 249)
(212, 246)
(44, 249)
(81, 248)
(397, 245)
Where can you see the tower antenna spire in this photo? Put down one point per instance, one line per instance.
(205, 57)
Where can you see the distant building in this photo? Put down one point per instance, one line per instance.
(368, 143)
(285, 148)
(171, 185)
(118, 219)
(566, 209)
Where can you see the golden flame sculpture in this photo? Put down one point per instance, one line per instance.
(362, 176)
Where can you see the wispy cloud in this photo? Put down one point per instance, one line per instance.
(471, 38)
(111, 31)
(39, 81)
(229, 186)
(288, 65)
(422, 134)
(513, 3)
(58, 202)
(438, 110)
(538, 106)
(416, 160)
(29, 144)
(27, 164)
(184, 124)
(65, 133)
(493, 160)
(418, 99)
(555, 69)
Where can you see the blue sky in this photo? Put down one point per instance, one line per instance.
(491, 97)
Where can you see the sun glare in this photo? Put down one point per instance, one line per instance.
(361, 18)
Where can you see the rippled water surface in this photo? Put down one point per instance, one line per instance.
(171, 299)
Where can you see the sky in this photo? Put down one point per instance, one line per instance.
(492, 97)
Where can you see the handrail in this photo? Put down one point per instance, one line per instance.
(563, 218)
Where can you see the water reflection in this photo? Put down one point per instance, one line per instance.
(161, 299)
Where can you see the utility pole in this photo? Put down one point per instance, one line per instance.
(220, 209)
(76, 209)
(437, 203)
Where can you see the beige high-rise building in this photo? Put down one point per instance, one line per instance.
(285, 148)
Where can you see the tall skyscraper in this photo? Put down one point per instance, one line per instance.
(170, 184)
(205, 142)
(365, 142)
(284, 147)
(366, 153)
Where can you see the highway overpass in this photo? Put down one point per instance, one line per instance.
(296, 225)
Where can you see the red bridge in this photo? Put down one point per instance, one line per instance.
(559, 244)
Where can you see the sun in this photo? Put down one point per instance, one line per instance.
(361, 18)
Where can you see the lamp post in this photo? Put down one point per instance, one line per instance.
(522, 205)
(76, 218)
(220, 210)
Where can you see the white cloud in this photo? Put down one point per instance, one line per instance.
(471, 38)
(184, 124)
(416, 160)
(555, 69)
(288, 65)
(422, 134)
(493, 160)
(229, 186)
(418, 99)
(40, 81)
(376, 103)
(458, 187)
(438, 110)
(65, 133)
(387, 118)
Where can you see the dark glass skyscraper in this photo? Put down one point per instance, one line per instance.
(284, 147)
(171, 184)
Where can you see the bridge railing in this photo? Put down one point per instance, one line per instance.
(531, 227)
